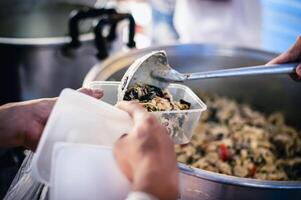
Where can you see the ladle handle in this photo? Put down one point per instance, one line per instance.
(288, 68)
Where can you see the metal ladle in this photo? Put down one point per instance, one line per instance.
(140, 72)
(153, 69)
(167, 74)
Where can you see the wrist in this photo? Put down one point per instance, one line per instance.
(156, 183)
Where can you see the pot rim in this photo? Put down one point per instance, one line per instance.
(44, 40)
(237, 181)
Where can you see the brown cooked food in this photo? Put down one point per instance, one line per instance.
(154, 98)
(233, 139)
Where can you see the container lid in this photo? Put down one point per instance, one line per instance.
(41, 21)
(86, 172)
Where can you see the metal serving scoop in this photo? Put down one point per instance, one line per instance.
(141, 72)
(153, 69)
(167, 74)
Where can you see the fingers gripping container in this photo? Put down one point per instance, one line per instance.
(78, 118)
(180, 123)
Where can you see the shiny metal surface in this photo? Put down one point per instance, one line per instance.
(44, 70)
(43, 20)
(174, 76)
(141, 72)
(36, 58)
(44, 40)
(267, 94)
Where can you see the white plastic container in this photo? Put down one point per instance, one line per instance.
(180, 123)
(78, 118)
(86, 172)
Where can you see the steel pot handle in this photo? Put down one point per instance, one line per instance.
(77, 15)
(112, 21)
(132, 25)
(100, 40)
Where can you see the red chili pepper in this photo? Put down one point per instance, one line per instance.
(223, 152)
(184, 145)
(252, 171)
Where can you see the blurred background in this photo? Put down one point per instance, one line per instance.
(47, 45)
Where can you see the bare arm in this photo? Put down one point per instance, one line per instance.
(22, 123)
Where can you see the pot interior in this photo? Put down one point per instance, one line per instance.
(268, 93)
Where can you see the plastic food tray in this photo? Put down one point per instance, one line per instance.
(180, 123)
(81, 171)
(78, 118)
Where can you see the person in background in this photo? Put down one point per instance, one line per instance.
(146, 155)
(164, 31)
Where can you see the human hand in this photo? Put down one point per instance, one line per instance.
(146, 155)
(292, 55)
(22, 123)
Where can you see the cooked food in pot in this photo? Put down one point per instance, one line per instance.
(233, 139)
(154, 99)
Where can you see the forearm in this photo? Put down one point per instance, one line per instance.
(22, 123)
(9, 136)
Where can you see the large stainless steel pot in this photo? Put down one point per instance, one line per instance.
(266, 93)
(48, 47)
